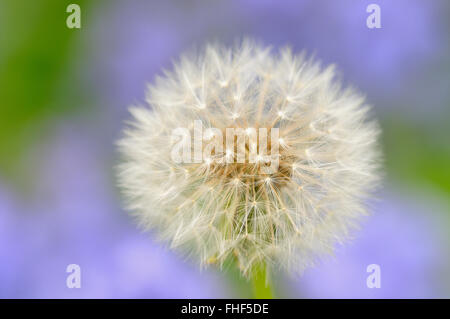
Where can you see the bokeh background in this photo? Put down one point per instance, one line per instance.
(64, 95)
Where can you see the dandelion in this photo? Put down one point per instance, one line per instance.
(218, 210)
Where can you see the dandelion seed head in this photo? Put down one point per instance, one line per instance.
(216, 210)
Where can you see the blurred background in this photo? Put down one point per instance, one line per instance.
(64, 95)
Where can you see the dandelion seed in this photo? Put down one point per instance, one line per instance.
(216, 210)
(235, 116)
(208, 161)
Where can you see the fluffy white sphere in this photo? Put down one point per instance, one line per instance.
(218, 210)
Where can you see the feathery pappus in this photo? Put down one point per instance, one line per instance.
(217, 206)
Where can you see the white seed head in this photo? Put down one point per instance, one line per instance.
(217, 210)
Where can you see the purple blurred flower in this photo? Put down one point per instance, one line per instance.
(377, 59)
(405, 240)
(137, 39)
(75, 220)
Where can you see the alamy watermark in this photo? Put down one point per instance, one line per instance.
(73, 21)
(74, 278)
(373, 21)
(239, 145)
(374, 279)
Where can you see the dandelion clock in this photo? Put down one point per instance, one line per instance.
(250, 155)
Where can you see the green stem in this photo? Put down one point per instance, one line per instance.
(260, 283)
